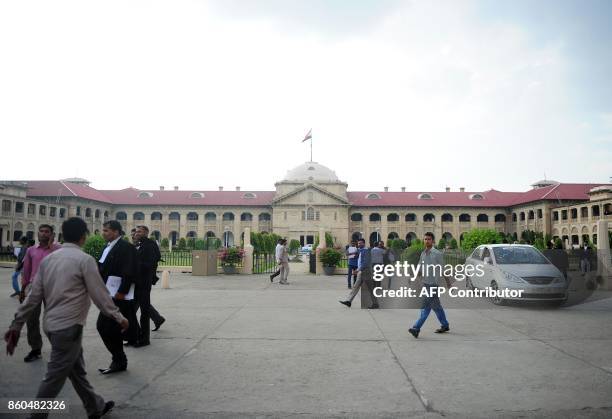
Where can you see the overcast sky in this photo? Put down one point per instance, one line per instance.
(422, 94)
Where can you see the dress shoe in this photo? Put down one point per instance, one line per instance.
(112, 369)
(271, 278)
(158, 325)
(32, 356)
(346, 303)
(108, 406)
(443, 329)
(141, 344)
(15, 294)
(414, 332)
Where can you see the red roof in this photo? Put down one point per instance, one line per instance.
(131, 196)
(234, 198)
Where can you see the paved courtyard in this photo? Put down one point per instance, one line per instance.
(238, 346)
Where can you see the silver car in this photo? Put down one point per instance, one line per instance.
(517, 267)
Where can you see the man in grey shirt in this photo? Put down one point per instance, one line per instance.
(66, 280)
(432, 267)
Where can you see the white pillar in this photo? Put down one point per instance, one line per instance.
(247, 260)
(604, 264)
(322, 245)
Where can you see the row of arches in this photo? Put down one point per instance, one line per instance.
(192, 216)
(429, 217)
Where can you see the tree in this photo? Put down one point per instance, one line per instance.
(397, 244)
(191, 243)
(441, 244)
(453, 243)
(329, 241)
(330, 256)
(94, 246)
(478, 236)
(165, 243)
(182, 243)
(294, 245)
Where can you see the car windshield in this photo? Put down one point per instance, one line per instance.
(518, 255)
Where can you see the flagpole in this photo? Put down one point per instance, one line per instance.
(311, 149)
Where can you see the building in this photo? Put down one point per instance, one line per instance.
(308, 198)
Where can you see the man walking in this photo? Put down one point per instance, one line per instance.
(67, 280)
(118, 264)
(352, 253)
(364, 275)
(23, 241)
(278, 253)
(284, 263)
(31, 262)
(147, 256)
(432, 266)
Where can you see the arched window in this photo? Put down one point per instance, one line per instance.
(356, 216)
(210, 234)
(372, 196)
(249, 195)
(522, 216)
(192, 235)
(514, 217)
(121, 216)
(410, 237)
(156, 216)
(482, 218)
(156, 234)
(246, 216)
(264, 216)
(310, 214)
(197, 195)
(447, 218)
(476, 196)
(375, 217)
(393, 217)
(88, 212)
(500, 218)
(174, 216)
(531, 214)
(574, 213)
(392, 236)
(138, 216)
(145, 195)
(210, 217)
(228, 216)
(97, 214)
(410, 217)
(425, 196)
(192, 216)
(465, 218)
(428, 218)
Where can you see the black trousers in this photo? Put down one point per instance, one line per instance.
(147, 312)
(110, 331)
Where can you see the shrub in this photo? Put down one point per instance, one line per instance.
(330, 256)
(478, 236)
(441, 244)
(231, 256)
(397, 244)
(329, 241)
(94, 246)
(191, 243)
(182, 244)
(165, 243)
(558, 243)
(453, 243)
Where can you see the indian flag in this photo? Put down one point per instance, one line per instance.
(308, 136)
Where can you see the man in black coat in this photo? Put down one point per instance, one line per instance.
(148, 255)
(118, 260)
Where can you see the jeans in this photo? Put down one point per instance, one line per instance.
(431, 303)
(16, 280)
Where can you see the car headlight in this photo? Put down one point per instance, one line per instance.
(559, 280)
(512, 278)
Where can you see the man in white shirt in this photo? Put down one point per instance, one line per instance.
(282, 258)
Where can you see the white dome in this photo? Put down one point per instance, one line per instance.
(311, 171)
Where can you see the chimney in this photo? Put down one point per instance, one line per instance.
(161, 188)
(220, 188)
(462, 189)
(447, 189)
(386, 189)
(176, 188)
(403, 189)
(237, 188)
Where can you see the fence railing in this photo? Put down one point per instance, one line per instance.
(264, 263)
(7, 257)
(176, 258)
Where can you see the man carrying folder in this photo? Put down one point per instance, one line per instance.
(117, 264)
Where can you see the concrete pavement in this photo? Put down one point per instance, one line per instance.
(238, 346)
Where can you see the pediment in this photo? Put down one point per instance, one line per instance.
(309, 194)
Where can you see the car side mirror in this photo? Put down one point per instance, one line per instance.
(487, 260)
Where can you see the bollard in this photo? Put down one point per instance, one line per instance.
(166, 280)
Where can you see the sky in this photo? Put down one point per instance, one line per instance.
(200, 94)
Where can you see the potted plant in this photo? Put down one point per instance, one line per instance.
(230, 257)
(330, 258)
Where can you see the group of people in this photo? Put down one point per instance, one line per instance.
(361, 264)
(66, 279)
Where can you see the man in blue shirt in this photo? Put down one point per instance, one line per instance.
(364, 275)
(432, 265)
